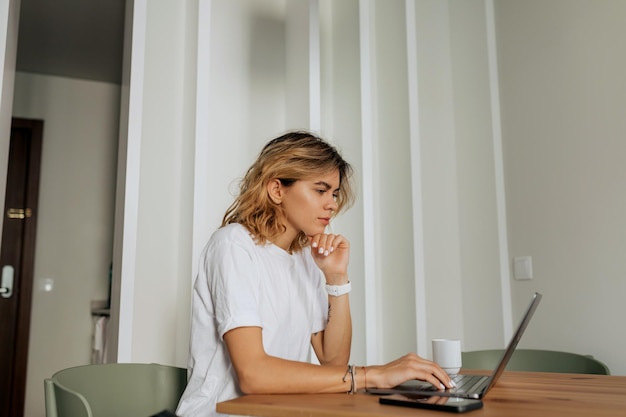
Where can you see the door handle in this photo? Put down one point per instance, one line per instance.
(6, 288)
(14, 213)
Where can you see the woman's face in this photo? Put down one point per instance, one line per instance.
(308, 205)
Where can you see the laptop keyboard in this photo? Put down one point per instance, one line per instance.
(468, 383)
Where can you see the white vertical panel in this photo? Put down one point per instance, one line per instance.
(507, 317)
(439, 166)
(9, 17)
(201, 222)
(301, 49)
(315, 117)
(368, 120)
(131, 187)
(416, 181)
(315, 98)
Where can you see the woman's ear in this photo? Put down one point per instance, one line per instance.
(275, 190)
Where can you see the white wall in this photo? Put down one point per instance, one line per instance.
(74, 222)
(156, 228)
(438, 175)
(9, 18)
(247, 93)
(341, 123)
(562, 65)
(243, 69)
(237, 70)
(441, 138)
(483, 251)
(435, 141)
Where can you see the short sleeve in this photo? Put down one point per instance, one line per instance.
(233, 284)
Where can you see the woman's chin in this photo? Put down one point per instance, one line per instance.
(314, 232)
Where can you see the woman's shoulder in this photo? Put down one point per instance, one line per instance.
(231, 233)
(230, 239)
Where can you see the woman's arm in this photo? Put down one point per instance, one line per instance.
(331, 254)
(332, 346)
(259, 373)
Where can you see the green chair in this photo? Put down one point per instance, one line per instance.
(534, 360)
(114, 390)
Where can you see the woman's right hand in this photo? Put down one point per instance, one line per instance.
(410, 366)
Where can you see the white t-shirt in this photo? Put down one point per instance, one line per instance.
(241, 283)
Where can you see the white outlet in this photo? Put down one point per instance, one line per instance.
(523, 267)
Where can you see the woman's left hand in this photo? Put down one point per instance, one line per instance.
(331, 254)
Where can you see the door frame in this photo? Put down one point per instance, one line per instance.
(23, 281)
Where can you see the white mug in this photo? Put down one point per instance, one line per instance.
(447, 354)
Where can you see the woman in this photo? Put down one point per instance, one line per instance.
(273, 283)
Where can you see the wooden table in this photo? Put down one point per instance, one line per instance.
(523, 394)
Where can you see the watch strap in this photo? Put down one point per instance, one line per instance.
(337, 290)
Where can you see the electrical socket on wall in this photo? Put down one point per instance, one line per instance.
(523, 268)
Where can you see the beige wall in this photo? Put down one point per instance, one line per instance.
(562, 66)
(75, 219)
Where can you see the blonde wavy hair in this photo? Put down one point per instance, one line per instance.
(294, 156)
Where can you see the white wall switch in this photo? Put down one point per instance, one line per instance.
(523, 267)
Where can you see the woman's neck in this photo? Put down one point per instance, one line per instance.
(285, 241)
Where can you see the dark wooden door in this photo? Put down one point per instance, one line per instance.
(17, 256)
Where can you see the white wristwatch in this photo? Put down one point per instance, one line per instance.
(337, 290)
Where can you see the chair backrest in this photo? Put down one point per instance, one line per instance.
(120, 390)
(72, 404)
(536, 360)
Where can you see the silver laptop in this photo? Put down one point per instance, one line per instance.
(468, 385)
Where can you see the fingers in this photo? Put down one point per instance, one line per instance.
(428, 371)
(437, 376)
(325, 244)
(408, 367)
(331, 254)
